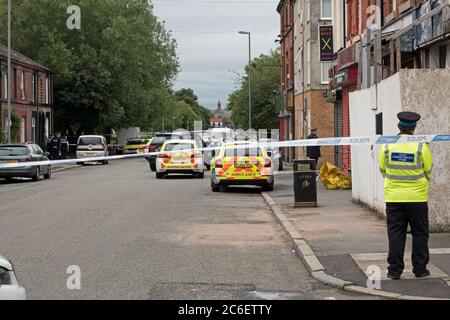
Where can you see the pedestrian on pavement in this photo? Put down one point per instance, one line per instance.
(313, 152)
(406, 168)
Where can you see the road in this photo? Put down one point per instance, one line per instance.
(136, 237)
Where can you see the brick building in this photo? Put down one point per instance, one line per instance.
(312, 107)
(285, 38)
(221, 118)
(304, 77)
(31, 97)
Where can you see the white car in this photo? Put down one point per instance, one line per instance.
(9, 286)
(274, 153)
(173, 159)
(91, 147)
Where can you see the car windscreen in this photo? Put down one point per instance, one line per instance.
(158, 140)
(220, 136)
(242, 152)
(85, 141)
(10, 151)
(136, 141)
(178, 146)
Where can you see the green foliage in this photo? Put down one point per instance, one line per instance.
(2, 137)
(202, 114)
(266, 103)
(115, 72)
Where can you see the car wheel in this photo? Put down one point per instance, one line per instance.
(105, 162)
(268, 187)
(159, 175)
(201, 175)
(37, 174)
(49, 173)
(215, 187)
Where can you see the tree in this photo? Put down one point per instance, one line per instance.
(265, 81)
(112, 73)
(188, 96)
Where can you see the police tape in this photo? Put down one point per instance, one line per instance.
(320, 142)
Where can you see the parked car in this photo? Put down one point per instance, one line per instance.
(10, 288)
(180, 156)
(26, 154)
(91, 147)
(136, 145)
(155, 146)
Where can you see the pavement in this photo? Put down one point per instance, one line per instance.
(340, 242)
(135, 237)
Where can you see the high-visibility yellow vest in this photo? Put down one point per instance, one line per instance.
(406, 169)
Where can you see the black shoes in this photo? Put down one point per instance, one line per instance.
(393, 276)
(424, 274)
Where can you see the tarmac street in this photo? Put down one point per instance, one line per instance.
(116, 232)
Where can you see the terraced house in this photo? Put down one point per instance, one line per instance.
(31, 98)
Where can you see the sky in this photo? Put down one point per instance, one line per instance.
(210, 49)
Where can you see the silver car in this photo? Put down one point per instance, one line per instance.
(9, 286)
(92, 147)
(25, 155)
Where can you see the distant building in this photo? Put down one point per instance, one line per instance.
(31, 97)
(221, 117)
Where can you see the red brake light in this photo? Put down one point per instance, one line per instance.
(196, 154)
(267, 163)
(29, 159)
(219, 163)
(164, 156)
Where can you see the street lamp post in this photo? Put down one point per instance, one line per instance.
(249, 78)
(9, 72)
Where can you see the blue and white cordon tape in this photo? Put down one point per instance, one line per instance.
(341, 141)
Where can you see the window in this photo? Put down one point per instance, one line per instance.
(379, 124)
(33, 128)
(308, 61)
(47, 91)
(325, 67)
(22, 85)
(5, 86)
(33, 87)
(325, 10)
(442, 56)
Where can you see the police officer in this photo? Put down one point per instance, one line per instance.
(64, 146)
(55, 147)
(406, 169)
(313, 152)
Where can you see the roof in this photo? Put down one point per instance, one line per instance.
(280, 5)
(19, 58)
(180, 141)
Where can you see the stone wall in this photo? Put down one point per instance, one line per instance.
(424, 91)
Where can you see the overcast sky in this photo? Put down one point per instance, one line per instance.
(209, 46)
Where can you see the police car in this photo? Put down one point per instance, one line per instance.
(242, 163)
(9, 286)
(180, 156)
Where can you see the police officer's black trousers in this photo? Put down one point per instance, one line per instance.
(399, 215)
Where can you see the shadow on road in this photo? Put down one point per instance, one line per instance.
(15, 181)
(181, 177)
(248, 190)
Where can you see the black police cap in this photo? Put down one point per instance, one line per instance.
(408, 119)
